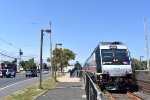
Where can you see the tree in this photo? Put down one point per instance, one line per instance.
(48, 59)
(77, 65)
(14, 61)
(30, 64)
(138, 65)
(45, 66)
(66, 57)
(22, 63)
(62, 57)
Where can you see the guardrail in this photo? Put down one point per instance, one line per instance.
(92, 91)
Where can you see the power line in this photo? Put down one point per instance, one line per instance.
(8, 56)
(8, 43)
(26, 23)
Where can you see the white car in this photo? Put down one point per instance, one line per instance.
(45, 71)
(10, 72)
(1, 75)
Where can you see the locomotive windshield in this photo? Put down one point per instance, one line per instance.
(115, 57)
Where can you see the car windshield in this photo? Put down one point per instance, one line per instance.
(115, 57)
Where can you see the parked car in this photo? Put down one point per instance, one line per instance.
(7, 73)
(45, 71)
(31, 73)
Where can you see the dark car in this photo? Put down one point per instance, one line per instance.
(31, 73)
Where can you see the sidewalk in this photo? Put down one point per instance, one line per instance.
(67, 89)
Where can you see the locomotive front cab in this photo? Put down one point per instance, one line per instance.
(116, 66)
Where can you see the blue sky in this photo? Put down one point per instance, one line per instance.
(78, 24)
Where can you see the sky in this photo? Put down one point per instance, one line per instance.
(78, 24)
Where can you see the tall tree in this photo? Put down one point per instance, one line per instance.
(138, 65)
(61, 57)
(30, 64)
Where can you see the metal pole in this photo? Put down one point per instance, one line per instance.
(55, 61)
(51, 50)
(56, 57)
(40, 85)
(141, 61)
(146, 39)
(19, 59)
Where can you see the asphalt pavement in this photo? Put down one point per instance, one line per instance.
(65, 91)
(20, 82)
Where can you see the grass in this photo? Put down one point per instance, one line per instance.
(32, 92)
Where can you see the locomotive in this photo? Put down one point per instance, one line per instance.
(110, 66)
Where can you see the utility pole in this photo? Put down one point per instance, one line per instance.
(51, 51)
(60, 44)
(146, 39)
(20, 53)
(41, 49)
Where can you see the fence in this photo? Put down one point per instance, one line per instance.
(92, 91)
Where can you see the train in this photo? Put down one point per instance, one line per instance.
(109, 66)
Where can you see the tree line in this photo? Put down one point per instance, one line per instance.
(61, 58)
(138, 65)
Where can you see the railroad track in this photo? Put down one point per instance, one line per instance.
(144, 85)
(121, 96)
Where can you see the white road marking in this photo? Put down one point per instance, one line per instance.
(13, 84)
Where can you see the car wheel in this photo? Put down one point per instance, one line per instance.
(14, 75)
(8, 76)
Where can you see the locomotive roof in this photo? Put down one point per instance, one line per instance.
(112, 43)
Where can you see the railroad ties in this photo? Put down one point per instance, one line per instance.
(144, 85)
(121, 96)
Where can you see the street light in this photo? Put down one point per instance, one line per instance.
(59, 44)
(41, 63)
(49, 31)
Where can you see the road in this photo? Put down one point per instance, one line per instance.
(11, 85)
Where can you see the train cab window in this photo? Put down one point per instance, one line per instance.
(115, 57)
(107, 56)
(123, 56)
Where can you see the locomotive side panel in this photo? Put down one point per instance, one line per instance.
(98, 60)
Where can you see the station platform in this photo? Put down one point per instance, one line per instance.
(69, 88)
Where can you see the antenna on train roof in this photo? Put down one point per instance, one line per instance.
(146, 39)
